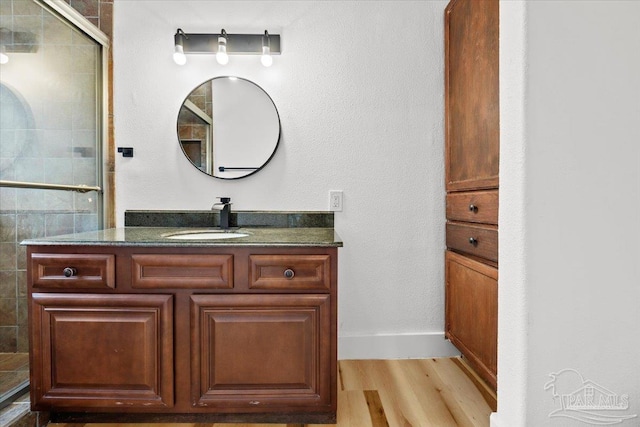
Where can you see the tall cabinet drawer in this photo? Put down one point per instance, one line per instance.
(477, 240)
(473, 206)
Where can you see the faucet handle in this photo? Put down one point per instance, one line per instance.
(224, 199)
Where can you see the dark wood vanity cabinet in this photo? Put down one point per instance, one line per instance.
(217, 333)
(472, 152)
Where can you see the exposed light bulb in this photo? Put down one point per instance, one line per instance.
(221, 55)
(266, 59)
(4, 58)
(178, 56)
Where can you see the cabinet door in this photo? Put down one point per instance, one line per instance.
(472, 312)
(472, 94)
(262, 353)
(101, 351)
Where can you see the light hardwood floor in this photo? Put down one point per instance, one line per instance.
(395, 393)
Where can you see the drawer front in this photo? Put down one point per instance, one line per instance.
(475, 240)
(290, 272)
(473, 206)
(81, 271)
(202, 271)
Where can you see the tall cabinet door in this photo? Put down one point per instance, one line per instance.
(472, 312)
(106, 351)
(472, 95)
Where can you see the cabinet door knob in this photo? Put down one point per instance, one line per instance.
(289, 273)
(69, 272)
(473, 241)
(473, 208)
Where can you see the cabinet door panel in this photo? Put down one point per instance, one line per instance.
(102, 351)
(472, 94)
(252, 353)
(472, 312)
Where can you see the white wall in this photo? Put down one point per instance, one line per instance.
(570, 205)
(359, 89)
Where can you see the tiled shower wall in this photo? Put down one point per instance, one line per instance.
(54, 144)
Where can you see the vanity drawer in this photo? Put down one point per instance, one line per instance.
(89, 271)
(290, 272)
(473, 206)
(201, 271)
(481, 241)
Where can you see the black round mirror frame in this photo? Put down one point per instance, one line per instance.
(250, 170)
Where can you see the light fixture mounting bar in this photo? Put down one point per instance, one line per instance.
(241, 44)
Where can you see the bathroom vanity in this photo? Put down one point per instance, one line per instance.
(131, 325)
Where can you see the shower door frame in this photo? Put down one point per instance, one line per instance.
(81, 23)
(72, 17)
(61, 9)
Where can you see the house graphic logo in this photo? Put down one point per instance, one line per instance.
(585, 400)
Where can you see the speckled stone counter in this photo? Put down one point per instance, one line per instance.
(263, 228)
(158, 236)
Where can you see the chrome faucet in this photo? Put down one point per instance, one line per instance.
(225, 211)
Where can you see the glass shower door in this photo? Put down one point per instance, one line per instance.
(51, 127)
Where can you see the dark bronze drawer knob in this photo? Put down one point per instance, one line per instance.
(473, 241)
(473, 208)
(69, 272)
(289, 273)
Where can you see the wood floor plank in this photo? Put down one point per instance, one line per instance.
(401, 405)
(427, 407)
(486, 391)
(458, 391)
(376, 410)
(435, 410)
(354, 374)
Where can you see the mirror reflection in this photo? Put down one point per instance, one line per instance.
(228, 127)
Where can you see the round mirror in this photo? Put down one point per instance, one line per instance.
(228, 127)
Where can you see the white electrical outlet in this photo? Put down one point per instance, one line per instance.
(335, 200)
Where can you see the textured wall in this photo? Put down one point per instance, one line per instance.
(359, 89)
(569, 208)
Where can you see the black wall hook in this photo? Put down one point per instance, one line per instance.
(126, 151)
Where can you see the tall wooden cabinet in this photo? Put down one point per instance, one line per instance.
(472, 138)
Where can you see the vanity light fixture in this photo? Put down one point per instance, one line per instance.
(178, 54)
(266, 58)
(223, 44)
(221, 54)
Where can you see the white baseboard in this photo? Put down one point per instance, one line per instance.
(493, 420)
(396, 346)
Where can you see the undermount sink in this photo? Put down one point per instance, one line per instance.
(205, 235)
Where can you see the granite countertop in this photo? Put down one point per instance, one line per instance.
(156, 236)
